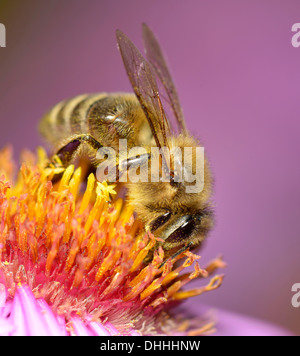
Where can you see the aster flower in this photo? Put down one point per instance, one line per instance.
(72, 260)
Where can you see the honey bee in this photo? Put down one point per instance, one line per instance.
(88, 122)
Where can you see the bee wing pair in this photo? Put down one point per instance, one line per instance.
(142, 75)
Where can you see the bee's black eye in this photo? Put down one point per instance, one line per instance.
(158, 222)
(184, 231)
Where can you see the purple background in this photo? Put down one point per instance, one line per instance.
(238, 77)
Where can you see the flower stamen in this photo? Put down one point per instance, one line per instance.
(84, 258)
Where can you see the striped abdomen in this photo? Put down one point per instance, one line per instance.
(107, 117)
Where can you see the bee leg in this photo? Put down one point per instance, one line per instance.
(131, 163)
(183, 249)
(68, 152)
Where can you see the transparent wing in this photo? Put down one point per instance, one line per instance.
(142, 78)
(156, 57)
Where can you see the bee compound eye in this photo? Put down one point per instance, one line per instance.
(183, 232)
(161, 220)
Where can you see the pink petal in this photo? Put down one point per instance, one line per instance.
(233, 324)
(53, 326)
(134, 333)
(17, 318)
(98, 329)
(2, 295)
(6, 328)
(26, 315)
(62, 322)
(78, 328)
(111, 329)
(229, 323)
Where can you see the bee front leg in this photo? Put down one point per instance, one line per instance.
(73, 149)
(68, 152)
(179, 252)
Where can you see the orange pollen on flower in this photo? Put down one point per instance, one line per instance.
(83, 252)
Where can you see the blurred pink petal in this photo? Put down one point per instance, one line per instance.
(229, 323)
(54, 326)
(78, 328)
(233, 324)
(26, 315)
(98, 329)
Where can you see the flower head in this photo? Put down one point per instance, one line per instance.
(72, 259)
